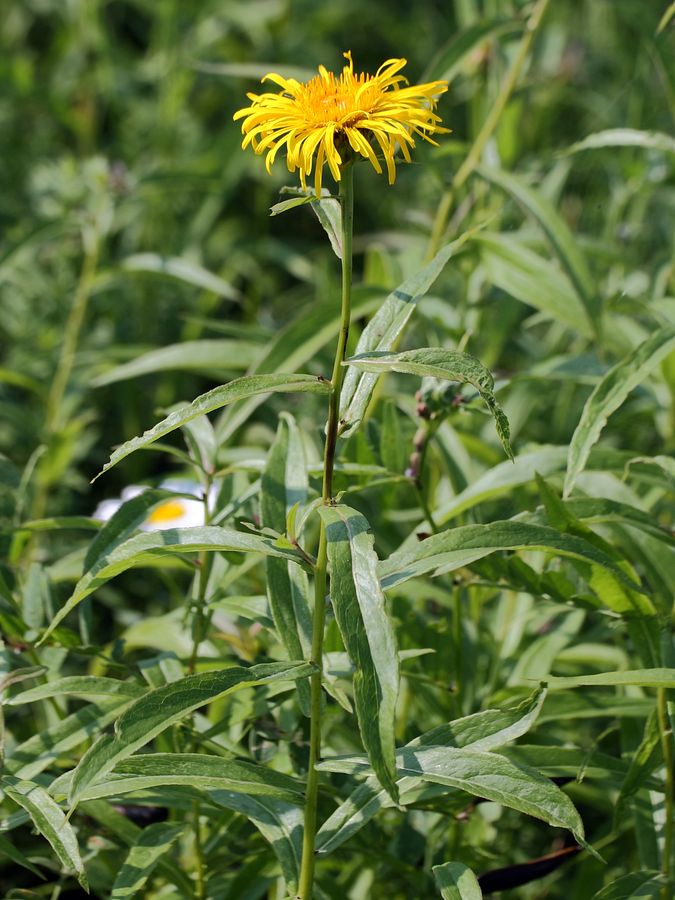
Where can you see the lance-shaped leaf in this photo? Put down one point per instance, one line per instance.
(190, 356)
(180, 269)
(284, 483)
(279, 822)
(238, 389)
(450, 550)
(158, 709)
(450, 365)
(366, 630)
(610, 393)
(144, 548)
(384, 330)
(655, 678)
(484, 730)
(556, 230)
(626, 137)
(480, 774)
(457, 882)
(152, 770)
(642, 885)
(80, 686)
(143, 857)
(49, 820)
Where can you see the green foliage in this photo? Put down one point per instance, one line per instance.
(498, 659)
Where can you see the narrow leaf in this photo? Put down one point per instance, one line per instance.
(654, 678)
(144, 548)
(640, 885)
(50, 821)
(626, 137)
(154, 842)
(484, 730)
(360, 611)
(284, 483)
(182, 270)
(487, 775)
(450, 365)
(205, 773)
(159, 709)
(79, 686)
(611, 393)
(238, 389)
(190, 356)
(556, 230)
(450, 550)
(384, 330)
(446, 64)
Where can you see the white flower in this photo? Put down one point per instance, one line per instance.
(175, 512)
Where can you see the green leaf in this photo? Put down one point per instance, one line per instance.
(610, 393)
(293, 346)
(154, 842)
(655, 678)
(28, 759)
(631, 887)
(626, 137)
(501, 479)
(284, 483)
(457, 882)
(279, 822)
(556, 230)
(160, 708)
(532, 279)
(124, 522)
(181, 270)
(327, 210)
(49, 820)
(204, 773)
(367, 632)
(487, 775)
(447, 62)
(190, 356)
(79, 686)
(449, 365)
(238, 389)
(484, 730)
(144, 548)
(450, 550)
(384, 330)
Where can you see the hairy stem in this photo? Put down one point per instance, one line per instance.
(320, 573)
(489, 125)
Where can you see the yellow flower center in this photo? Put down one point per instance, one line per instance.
(172, 509)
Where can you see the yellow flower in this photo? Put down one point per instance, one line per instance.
(331, 120)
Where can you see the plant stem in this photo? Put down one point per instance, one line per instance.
(320, 572)
(489, 125)
(667, 747)
(53, 414)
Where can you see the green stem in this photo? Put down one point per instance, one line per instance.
(200, 884)
(489, 125)
(53, 415)
(320, 572)
(667, 747)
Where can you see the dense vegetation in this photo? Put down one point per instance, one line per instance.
(516, 614)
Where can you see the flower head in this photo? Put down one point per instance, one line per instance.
(333, 119)
(174, 512)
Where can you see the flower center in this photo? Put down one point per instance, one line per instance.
(172, 509)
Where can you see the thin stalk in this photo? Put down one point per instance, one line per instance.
(200, 883)
(667, 747)
(78, 309)
(320, 572)
(489, 125)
